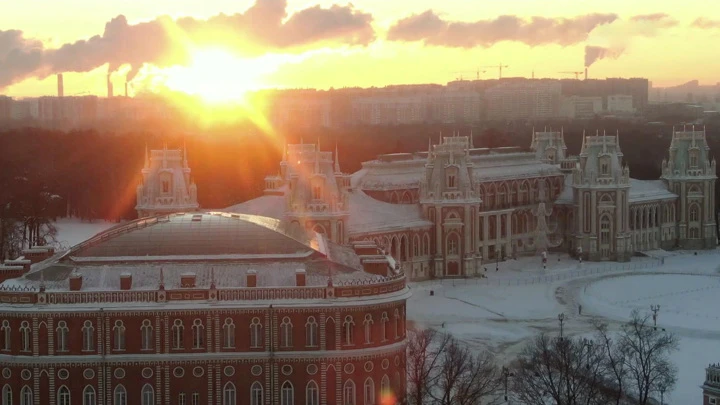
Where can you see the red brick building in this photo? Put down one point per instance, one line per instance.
(199, 309)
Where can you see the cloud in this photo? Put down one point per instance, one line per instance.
(706, 23)
(431, 29)
(264, 27)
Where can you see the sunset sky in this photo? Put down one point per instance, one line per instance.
(188, 45)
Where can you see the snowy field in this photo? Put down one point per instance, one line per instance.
(71, 231)
(521, 299)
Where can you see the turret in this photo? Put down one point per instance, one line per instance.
(166, 185)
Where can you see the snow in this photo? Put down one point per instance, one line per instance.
(71, 231)
(502, 311)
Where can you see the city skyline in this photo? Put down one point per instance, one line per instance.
(221, 49)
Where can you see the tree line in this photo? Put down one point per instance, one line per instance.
(628, 366)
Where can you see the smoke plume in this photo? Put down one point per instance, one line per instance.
(264, 27)
(706, 23)
(431, 29)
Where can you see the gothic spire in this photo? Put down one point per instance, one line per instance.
(212, 277)
(337, 159)
(185, 159)
(162, 279)
(617, 139)
(147, 160)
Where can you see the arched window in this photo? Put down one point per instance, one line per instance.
(255, 333)
(349, 393)
(63, 396)
(120, 395)
(146, 335)
(453, 244)
(228, 334)
(385, 385)
(147, 395)
(119, 335)
(229, 394)
(426, 244)
(62, 336)
(7, 395)
(256, 394)
(605, 230)
(88, 335)
(416, 246)
(26, 396)
(311, 332)
(7, 334)
(694, 212)
(317, 192)
(286, 332)
(198, 331)
(177, 335)
(312, 394)
(287, 395)
(369, 391)
(89, 395)
(383, 326)
(349, 330)
(397, 323)
(182, 399)
(367, 324)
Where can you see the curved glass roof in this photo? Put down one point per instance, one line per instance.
(198, 234)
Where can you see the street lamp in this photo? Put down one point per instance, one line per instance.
(506, 375)
(655, 309)
(589, 344)
(561, 318)
(497, 258)
(662, 394)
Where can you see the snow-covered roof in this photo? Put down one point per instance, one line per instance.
(368, 215)
(648, 190)
(272, 206)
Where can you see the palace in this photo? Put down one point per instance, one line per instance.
(445, 212)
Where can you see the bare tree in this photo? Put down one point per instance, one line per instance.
(464, 378)
(647, 357)
(614, 362)
(424, 363)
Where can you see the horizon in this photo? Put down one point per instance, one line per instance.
(222, 49)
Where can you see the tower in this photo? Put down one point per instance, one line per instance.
(317, 191)
(601, 185)
(690, 173)
(549, 146)
(449, 201)
(166, 186)
(109, 86)
(60, 85)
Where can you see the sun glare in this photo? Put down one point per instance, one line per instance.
(219, 76)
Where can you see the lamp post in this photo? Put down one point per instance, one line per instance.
(662, 394)
(588, 343)
(561, 318)
(655, 309)
(497, 258)
(506, 373)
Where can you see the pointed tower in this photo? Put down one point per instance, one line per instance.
(317, 191)
(601, 186)
(689, 172)
(549, 146)
(166, 185)
(449, 200)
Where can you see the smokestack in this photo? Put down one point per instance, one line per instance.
(109, 86)
(61, 86)
(126, 90)
(585, 72)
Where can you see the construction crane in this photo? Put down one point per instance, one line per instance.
(461, 74)
(577, 74)
(499, 67)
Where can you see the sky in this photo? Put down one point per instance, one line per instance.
(238, 45)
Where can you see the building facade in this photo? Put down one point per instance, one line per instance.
(205, 308)
(166, 184)
(711, 387)
(449, 211)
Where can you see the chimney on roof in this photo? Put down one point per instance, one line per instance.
(125, 281)
(251, 278)
(300, 277)
(585, 72)
(76, 280)
(60, 85)
(109, 87)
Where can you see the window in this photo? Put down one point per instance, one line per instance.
(312, 394)
(146, 335)
(605, 230)
(63, 396)
(120, 395)
(147, 395)
(452, 245)
(165, 186)
(256, 394)
(228, 334)
(286, 333)
(416, 246)
(229, 394)
(182, 399)
(367, 324)
(385, 386)
(348, 330)
(694, 213)
(369, 392)
(119, 335)
(317, 192)
(451, 181)
(26, 396)
(89, 395)
(383, 326)
(196, 398)
(287, 394)
(87, 333)
(397, 324)
(177, 335)
(7, 395)
(349, 393)
(198, 334)
(693, 159)
(62, 336)
(6, 332)
(311, 332)
(255, 333)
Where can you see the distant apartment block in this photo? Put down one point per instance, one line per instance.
(620, 103)
(523, 100)
(5, 108)
(578, 107)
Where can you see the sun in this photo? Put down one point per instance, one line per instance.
(219, 76)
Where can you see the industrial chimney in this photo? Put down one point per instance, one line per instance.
(109, 86)
(61, 86)
(126, 89)
(585, 72)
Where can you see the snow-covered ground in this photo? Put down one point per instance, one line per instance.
(521, 299)
(71, 231)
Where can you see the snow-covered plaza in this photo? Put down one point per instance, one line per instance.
(521, 299)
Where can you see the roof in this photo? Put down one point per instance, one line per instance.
(368, 215)
(648, 190)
